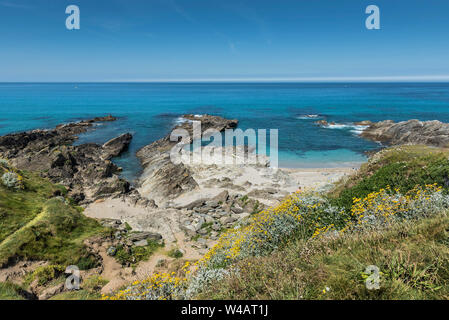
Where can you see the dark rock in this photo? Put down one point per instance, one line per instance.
(83, 169)
(117, 146)
(431, 133)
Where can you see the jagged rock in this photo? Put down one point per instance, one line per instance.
(212, 203)
(84, 169)
(236, 209)
(194, 204)
(162, 179)
(189, 230)
(431, 133)
(116, 146)
(138, 236)
(110, 187)
(227, 220)
(221, 197)
(50, 292)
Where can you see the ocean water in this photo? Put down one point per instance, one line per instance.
(150, 110)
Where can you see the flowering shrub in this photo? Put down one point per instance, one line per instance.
(160, 286)
(386, 206)
(304, 215)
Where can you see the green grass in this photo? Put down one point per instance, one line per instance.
(56, 235)
(400, 167)
(175, 253)
(134, 255)
(10, 291)
(77, 295)
(36, 226)
(19, 207)
(413, 259)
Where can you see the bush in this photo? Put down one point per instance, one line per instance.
(175, 253)
(134, 255)
(45, 274)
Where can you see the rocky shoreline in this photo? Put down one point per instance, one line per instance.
(186, 207)
(431, 133)
(85, 170)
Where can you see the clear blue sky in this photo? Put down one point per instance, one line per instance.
(138, 40)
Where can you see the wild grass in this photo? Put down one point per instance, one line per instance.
(19, 207)
(10, 291)
(413, 258)
(36, 225)
(401, 167)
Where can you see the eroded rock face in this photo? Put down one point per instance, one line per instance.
(162, 179)
(431, 133)
(86, 170)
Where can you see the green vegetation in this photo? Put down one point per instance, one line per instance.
(133, 255)
(18, 207)
(36, 225)
(45, 274)
(77, 295)
(401, 167)
(175, 253)
(413, 259)
(405, 236)
(10, 291)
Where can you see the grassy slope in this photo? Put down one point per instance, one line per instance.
(18, 207)
(414, 256)
(402, 167)
(34, 226)
(413, 259)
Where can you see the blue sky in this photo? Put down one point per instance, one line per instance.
(153, 40)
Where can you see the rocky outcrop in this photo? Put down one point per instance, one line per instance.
(115, 147)
(162, 179)
(431, 133)
(86, 170)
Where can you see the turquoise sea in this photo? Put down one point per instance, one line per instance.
(149, 110)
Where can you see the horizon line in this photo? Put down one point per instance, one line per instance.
(386, 79)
